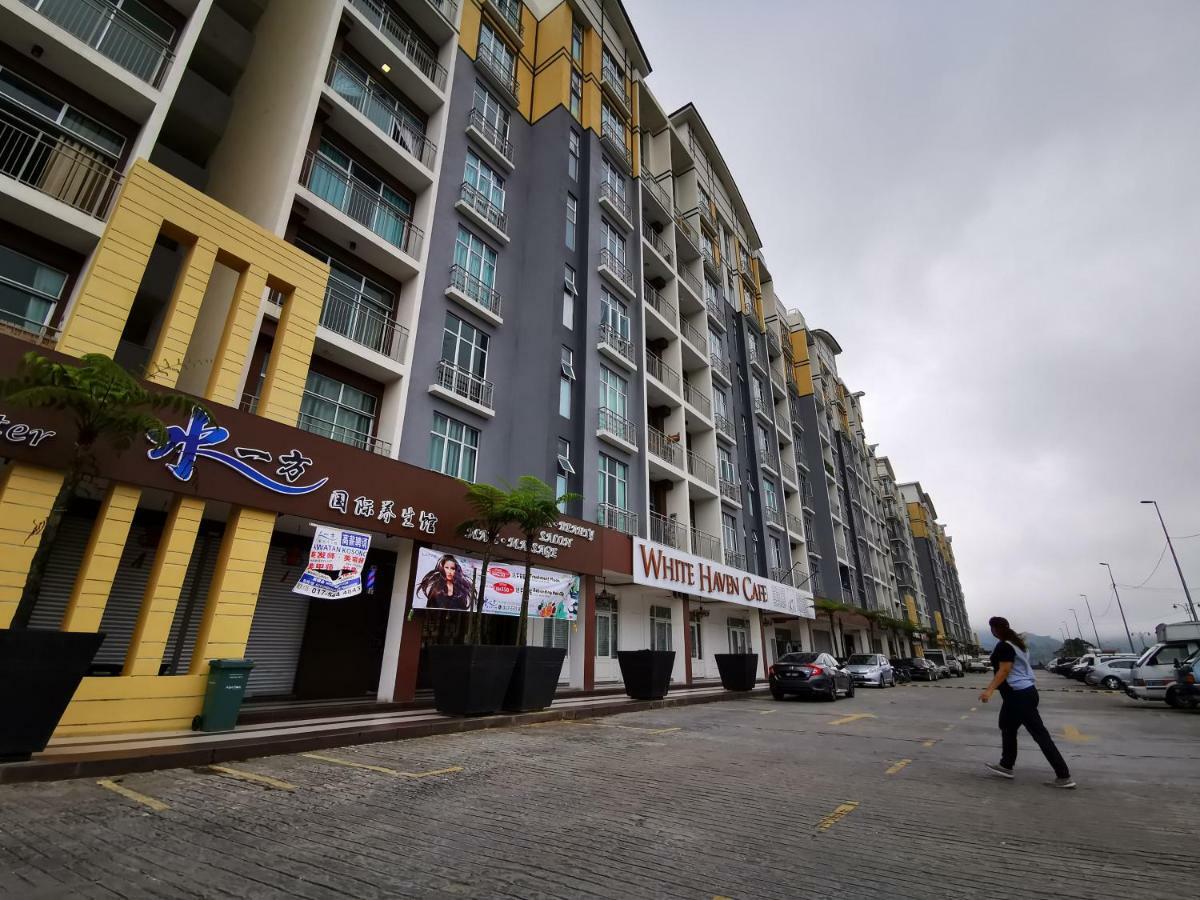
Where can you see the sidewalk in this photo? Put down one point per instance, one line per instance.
(117, 754)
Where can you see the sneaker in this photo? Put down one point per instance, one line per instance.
(1065, 783)
(1003, 772)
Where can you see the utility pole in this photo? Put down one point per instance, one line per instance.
(1121, 608)
(1078, 627)
(1093, 618)
(1178, 568)
(1067, 629)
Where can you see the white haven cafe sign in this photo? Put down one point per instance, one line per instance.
(658, 566)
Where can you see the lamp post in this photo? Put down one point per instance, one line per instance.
(1067, 629)
(1178, 568)
(1077, 625)
(1121, 608)
(1093, 618)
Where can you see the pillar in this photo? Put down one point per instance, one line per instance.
(26, 498)
(93, 584)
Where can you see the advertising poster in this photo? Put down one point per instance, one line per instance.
(335, 564)
(451, 581)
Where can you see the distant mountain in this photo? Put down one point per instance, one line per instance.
(1041, 647)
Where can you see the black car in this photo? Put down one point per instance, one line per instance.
(921, 669)
(809, 675)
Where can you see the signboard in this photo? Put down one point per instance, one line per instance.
(335, 564)
(448, 581)
(656, 565)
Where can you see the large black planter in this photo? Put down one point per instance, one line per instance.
(739, 671)
(470, 679)
(534, 679)
(39, 672)
(646, 673)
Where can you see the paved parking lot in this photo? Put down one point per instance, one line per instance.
(881, 796)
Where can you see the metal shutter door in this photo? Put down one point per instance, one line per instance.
(277, 631)
(65, 561)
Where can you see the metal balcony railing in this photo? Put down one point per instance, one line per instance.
(464, 384)
(762, 407)
(688, 232)
(616, 424)
(794, 524)
(702, 469)
(690, 281)
(384, 110)
(510, 12)
(613, 136)
(735, 560)
(475, 289)
(666, 530)
(731, 491)
(752, 353)
(693, 336)
(483, 205)
(725, 426)
(697, 399)
(656, 188)
(349, 314)
(404, 39)
(621, 344)
(705, 544)
(364, 440)
(448, 9)
(615, 82)
(617, 267)
(719, 366)
(616, 198)
(660, 245)
(773, 346)
(714, 310)
(788, 471)
(660, 303)
(663, 447)
(113, 33)
(26, 311)
(361, 202)
(499, 141)
(774, 516)
(616, 517)
(706, 252)
(662, 372)
(61, 168)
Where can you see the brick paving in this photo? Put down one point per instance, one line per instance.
(746, 798)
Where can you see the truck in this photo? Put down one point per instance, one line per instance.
(1154, 673)
(943, 658)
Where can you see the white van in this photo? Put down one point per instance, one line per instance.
(1155, 669)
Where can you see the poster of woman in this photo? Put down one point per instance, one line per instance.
(447, 585)
(451, 582)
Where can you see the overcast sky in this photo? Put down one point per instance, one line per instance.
(995, 209)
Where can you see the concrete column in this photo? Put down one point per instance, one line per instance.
(397, 623)
(235, 343)
(687, 641)
(26, 498)
(182, 312)
(587, 622)
(89, 597)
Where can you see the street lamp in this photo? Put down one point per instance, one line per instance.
(1093, 618)
(1067, 629)
(1119, 606)
(1178, 568)
(1077, 626)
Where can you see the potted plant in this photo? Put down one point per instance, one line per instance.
(739, 671)
(646, 673)
(470, 679)
(40, 669)
(532, 507)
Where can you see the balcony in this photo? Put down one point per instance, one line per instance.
(352, 316)
(788, 471)
(383, 111)
(113, 33)
(658, 193)
(655, 240)
(404, 39)
(725, 428)
(663, 374)
(497, 144)
(774, 348)
(731, 492)
(613, 137)
(27, 312)
(666, 449)
(57, 167)
(795, 525)
(686, 239)
(364, 440)
(720, 368)
(710, 261)
(657, 302)
(774, 517)
(617, 518)
(507, 14)
(612, 82)
(667, 530)
(617, 272)
(735, 560)
(691, 282)
(693, 336)
(706, 545)
(616, 346)
(463, 387)
(499, 72)
(701, 468)
(762, 407)
(613, 199)
(480, 208)
(714, 313)
(474, 294)
(753, 355)
(697, 399)
(616, 429)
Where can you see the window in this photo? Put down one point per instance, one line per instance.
(729, 532)
(610, 123)
(494, 115)
(696, 634)
(360, 193)
(711, 291)
(566, 382)
(573, 155)
(493, 48)
(453, 448)
(606, 627)
(572, 214)
(576, 94)
(569, 292)
(760, 393)
(770, 496)
(776, 553)
(764, 444)
(478, 260)
(465, 346)
(715, 347)
(725, 461)
(39, 109)
(612, 240)
(612, 177)
(614, 482)
(29, 290)
(614, 313)
(568, 362)
(486, 180)
(577, 43)
(609, 64)
(337, 410)
(739, 635)
(614, 392)
(660, 628)
(720, 403)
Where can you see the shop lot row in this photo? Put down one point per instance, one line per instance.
(883, 796)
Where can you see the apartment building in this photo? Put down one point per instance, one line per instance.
(905, 574)
(939, 571)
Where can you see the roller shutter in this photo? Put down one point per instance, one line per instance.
(277, 631)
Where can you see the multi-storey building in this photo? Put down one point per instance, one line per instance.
(939, 571)
(906, 574)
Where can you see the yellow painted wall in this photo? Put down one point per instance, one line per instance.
(26, 497)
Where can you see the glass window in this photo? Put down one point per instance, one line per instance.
(739, 635)
(696, 638)
(720, 403)
(660, 628)
(710, 291)
(491, 45)
(484, 179)
(564, 457)
(610, 122)
(614, 392)
(573, 155)
(453, 447)
(565, 386)
(568, 309)
(612, 177)
(576, 94)
(776, 553)
(764, 445)
(606, 627)
(614, 313)
(493, 113)
(476, 257)
(614, 482)
(760, 392)
(40, 109)
(29, 290)
(568, 362)
(725, 460)
(729, 532)
(337, 410)
(465, 345)
(577, 43)
(612, 240)
(572, 215)
(770, 497)
(715, 347)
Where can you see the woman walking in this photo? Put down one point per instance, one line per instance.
(1014, 679)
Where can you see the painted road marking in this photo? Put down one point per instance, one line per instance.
(928, 743)
(1075, 736)
(973, 708)
(837, 815)
(897, 766)
(253, 776)
(627, 727)
(963, 716)
(852, 718)
(768, 712)
(948, 728)
(383, 770)
(109, 784)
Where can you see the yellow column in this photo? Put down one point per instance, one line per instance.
(26, 497)
(100, 561)
(291, 354)
(235, 344)
(233, 594)
(162, 591)
(179, 320)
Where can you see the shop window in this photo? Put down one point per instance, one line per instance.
(660, 628)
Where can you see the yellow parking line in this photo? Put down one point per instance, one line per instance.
(768, 712)
(928, 743)
(252, 776)
(948, 728)
(852, 718)
(383, 770)
(837, 815)
(664, 730)
(963, 716)
(1075, 736)
(109, 784)
(897, 766)
(973, 708)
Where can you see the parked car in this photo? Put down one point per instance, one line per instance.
(978, 664)
(871, 668)
(1185, 692)
(1155, 669)
(1112, 673)
(922, 669)
(809, 675)
(1082, 669)
(955, 668)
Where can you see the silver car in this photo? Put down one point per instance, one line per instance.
(871, 669)
(1112, 673)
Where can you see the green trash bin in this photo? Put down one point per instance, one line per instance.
(227, 680)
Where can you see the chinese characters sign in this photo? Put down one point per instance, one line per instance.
(335, 564)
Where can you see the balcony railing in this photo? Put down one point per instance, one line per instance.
(113, 33)
(706, 252)
(29, 312)
(617, 267)
(657, 242)
(615, 82)
(719, 366)
(501, 72)
(701, 468)
(405, 39)
(788, 471)
(774, 516)
(691, 281)
(697, 399)
(475, 289)
(616, 424)
(621, 344)
(500, 142)
(662, 372)
(611, 516)
(735, 560)
(660, 303)
(693, 336)
(483, 205)
(362, 203)
(660, 193)
(773, 345)
(686, 230)
(616, 199)
(795, 525)
(714, 310)
(706, 545)
(510, 12)
(725, 426)
(350, 315)
(62, 169)
(463, 383)
(317, 425)
(663, 447)
(665, 530)
(752, 353)
(383, 110)
(762, 407)
(614, 137)
(731, 491)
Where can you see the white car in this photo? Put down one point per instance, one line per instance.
(1112, 673)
